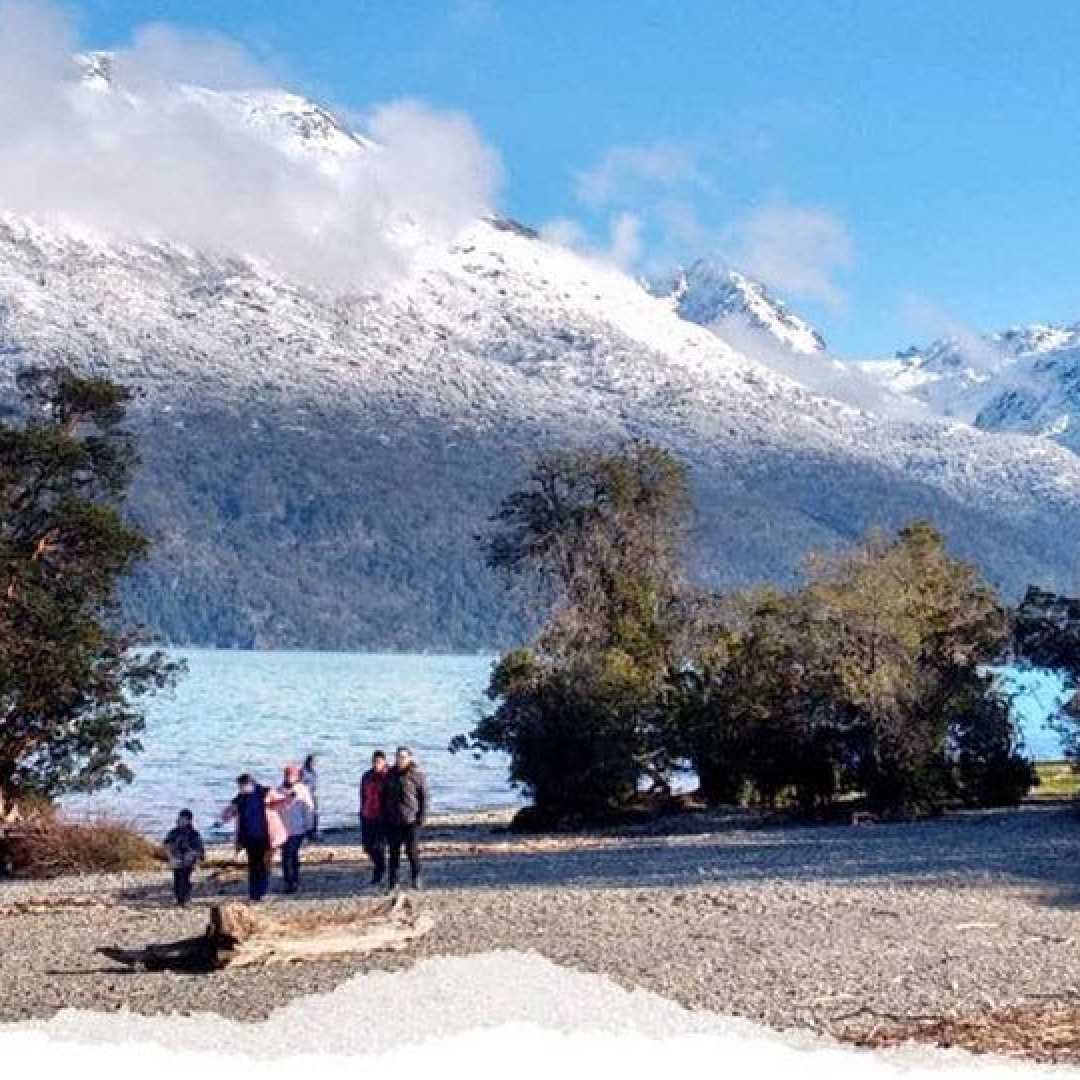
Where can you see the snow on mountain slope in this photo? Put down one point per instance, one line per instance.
(1024, 380)
(318, 465)
(318, 460)
(744, 315)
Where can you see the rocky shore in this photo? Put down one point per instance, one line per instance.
(845, 929)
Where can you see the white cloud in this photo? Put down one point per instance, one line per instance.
(794, 249)
(626, 245)
(160, 54)
(626, 173)
(566, 232)
(623, 242)
(682, 226)
(637, 203)
(983, 355)
(653, 205)
(144, 159)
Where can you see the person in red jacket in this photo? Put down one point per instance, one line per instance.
(372, 826)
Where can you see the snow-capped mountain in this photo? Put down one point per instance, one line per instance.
(721, 299)
(1024, 380)
(318, 462)
(286, 119)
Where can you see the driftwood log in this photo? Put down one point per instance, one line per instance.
(239, 935)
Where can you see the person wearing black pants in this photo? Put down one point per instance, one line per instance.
(372, 825)
(290, 863)
(298, 817)
(258, 868)
(184, 847)
(181, 883)
(373, 841)
(399, 837)
(248, 810)
(405, 807)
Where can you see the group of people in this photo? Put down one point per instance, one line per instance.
(394, 803)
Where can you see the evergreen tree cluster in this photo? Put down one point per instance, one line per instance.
(869, 682)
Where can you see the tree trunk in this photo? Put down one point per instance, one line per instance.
(239, 935)
(9, 809)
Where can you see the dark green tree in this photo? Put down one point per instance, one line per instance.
(71, 676)
(907, 631)
(1046, 634)
(872, 679)
(581, 713)
(754, 715)
(983, 740)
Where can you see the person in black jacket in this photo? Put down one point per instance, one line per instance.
(185, 850)
(405, 805)
(248, 810)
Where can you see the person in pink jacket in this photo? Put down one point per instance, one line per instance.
(297, 812)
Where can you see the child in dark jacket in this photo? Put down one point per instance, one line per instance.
(185, 850)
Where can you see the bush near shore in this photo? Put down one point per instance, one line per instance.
(51, 848)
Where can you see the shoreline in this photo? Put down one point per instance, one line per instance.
(500, 815)
(839, 929)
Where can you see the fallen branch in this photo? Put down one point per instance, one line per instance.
(240, 935)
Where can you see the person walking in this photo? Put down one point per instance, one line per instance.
(254, 809)
(310, 779)
(405, 808)
(185, 850)
(297, 814)
(372, 827)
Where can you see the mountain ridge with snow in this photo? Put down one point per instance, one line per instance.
(1024, 380)
(319, 461)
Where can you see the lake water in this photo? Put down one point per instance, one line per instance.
(1037, 699)
(254, 711)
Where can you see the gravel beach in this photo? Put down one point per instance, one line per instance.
(839, 929)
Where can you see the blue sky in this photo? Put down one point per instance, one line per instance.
(893, 169)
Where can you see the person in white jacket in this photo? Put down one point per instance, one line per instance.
(298, 816)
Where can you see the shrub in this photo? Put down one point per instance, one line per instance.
(54, 848)
(990, 770)
(572, 737)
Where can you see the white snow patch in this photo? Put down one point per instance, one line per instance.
(490, 1015)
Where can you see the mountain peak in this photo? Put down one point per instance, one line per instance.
(1025, 379)
(290, 120)
(713, 295)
